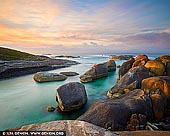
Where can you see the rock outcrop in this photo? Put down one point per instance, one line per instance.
(166, 61)
(71, 96)
(130, 81)
(125, 67)
(95, 72)
(98, 71)
(111, 65)
(69, 73)
(159, 90)
(46, 77)
(158, 85)
(70, 127)
(140, 60)
(114, 114)
(121, 57)
(156, 67)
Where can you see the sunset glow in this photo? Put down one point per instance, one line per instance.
(85, 27)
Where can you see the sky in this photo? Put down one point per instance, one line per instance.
(85, 26)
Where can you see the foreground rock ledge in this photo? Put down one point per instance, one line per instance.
(72, 128)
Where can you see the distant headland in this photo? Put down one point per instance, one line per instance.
(15, 63)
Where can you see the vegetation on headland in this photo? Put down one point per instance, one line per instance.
(10, 54)
(15, 63)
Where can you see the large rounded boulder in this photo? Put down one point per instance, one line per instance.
(140, 60)
(95, 72)
(130, 81)
(159, 85)
(156, 67)
(71, 96)
(111, 65)
(159, 90)
(125, 67)
(46, 77)
(114, 114)
(166, 61)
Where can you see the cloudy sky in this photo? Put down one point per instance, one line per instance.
(85, 26)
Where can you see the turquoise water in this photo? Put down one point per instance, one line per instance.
(23, 101)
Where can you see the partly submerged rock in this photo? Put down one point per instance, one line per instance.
(69, 73)
(71, 96)
(46, 77)
(70, 127)
(114, 114)
(111, 65)
(121, 57)
(131, 80)
(95, 72)
(156, 67)
(50, 108)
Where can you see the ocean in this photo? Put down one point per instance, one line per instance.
(23, 101)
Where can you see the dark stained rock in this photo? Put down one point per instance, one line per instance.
(71, 96)
(125, 67)
(69, 73)
(156, 67)
(114, 114)
(95, 72)
(140, 60)
(111, 65)
(167, 69)
(46, 77)
(158, 105)
(130, 87)
(118, 66)
(131, 80)
(71, 127)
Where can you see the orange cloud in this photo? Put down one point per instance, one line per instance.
(167, 30)
(35, 12)
(37, 37)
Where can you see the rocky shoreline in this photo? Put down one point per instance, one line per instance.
(17, 68)
(139, 101)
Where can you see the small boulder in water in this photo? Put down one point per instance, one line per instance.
(95, 72)
(50, 108)
(71, 96)
(46, 77)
